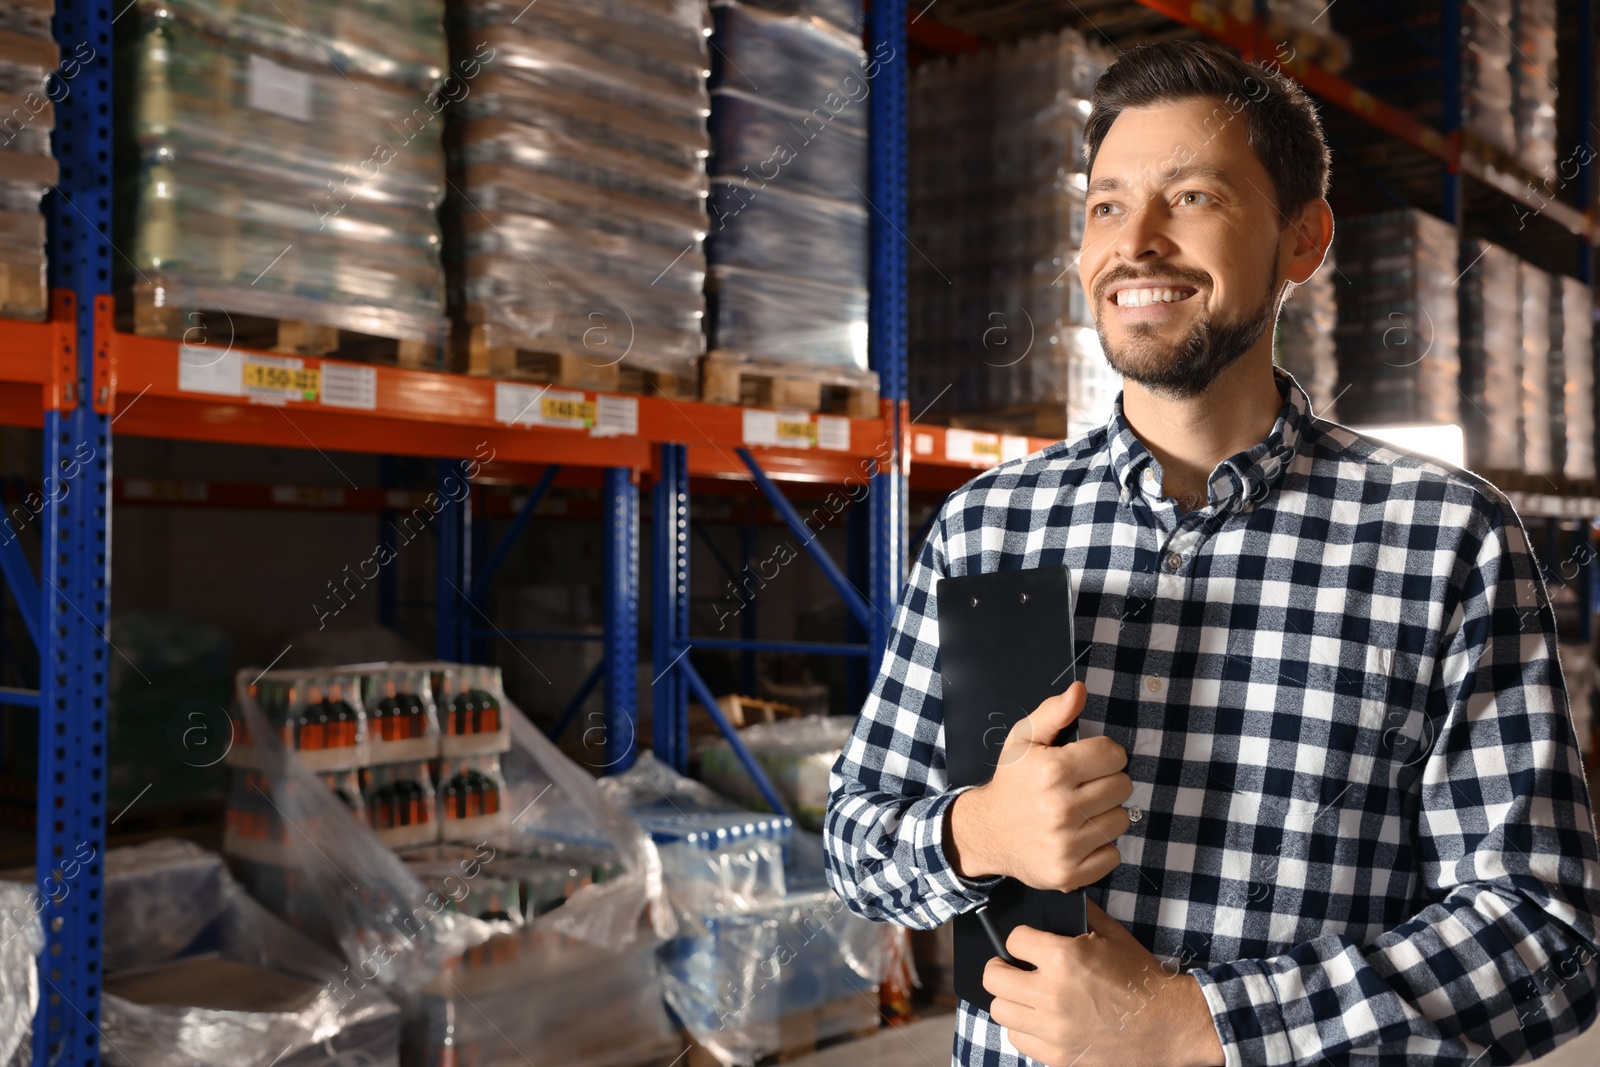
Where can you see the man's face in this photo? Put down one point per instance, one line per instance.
(1182, 244)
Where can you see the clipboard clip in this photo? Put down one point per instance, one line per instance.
(999, 945)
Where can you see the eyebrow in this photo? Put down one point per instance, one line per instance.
(1187, 172)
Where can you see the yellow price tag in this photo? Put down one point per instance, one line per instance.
(794, 429)
(564, 409)
(986, 448)
(306, 381)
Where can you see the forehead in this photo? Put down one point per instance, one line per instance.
(1148, 144)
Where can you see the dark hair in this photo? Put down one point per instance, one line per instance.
(1281, 122)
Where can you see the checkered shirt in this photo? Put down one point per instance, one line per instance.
(1364, 829)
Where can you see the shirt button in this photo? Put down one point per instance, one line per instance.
(1124, 496)
(1135, 813)
(1150, 474)
(1153, 684)
(1174, 561)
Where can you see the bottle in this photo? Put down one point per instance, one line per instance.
(386, 714)
(311, 722)
(342, 719)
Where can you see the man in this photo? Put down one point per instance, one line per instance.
(1327, 801)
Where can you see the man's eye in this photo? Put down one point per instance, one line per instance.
(1193, 195)
(1102, 209)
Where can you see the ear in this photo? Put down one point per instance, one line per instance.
(1307, 239)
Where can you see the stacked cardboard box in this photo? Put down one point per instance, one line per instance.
(1397, 337)
(1533, 68)
(1491, 357)
(1537, 422)
(1572, 359)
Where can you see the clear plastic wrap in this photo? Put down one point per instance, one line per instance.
(797, 756)
(775, 316)
(1400, 354)
(395, 40)
(21, 942)
(996, 203)
(1491, 357)
(28, 55)
(198, 973)
(841, 14)
(1575, 321)
(332, 868)
(260, 187)
(766, 142)
(583, 162)
(1534, 79)
(790, 60)
(802, 969)
(770, 229)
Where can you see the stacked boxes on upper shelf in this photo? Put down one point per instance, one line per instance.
(1305, 344)
(28, 91)
(412, 749)
(577, 224)
(1533, 85)
(281, 165)
(787, 247)
(1000, 330)
(1486, 81)
(1397, 332)
(1491, 357)
(1572, 358)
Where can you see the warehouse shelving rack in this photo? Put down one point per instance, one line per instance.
(76, 375)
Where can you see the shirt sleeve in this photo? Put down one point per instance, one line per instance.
(883, 832)
(1500, 966)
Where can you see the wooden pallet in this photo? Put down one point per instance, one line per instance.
(1033, 420)
(571, 370)
(295, 337)
(726, 378)
(22, 292)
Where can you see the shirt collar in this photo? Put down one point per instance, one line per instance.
(1252, 473)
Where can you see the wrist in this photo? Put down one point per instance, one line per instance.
(964, 838)
(1205, 1045)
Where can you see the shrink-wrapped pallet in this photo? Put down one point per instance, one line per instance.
(1572, 351)
(1305, 342)
(1491, 357)
(28, 95)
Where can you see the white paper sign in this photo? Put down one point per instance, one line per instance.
(615, 416)
(833, 432)
(203, 369)
(279, 89)
(345, 385)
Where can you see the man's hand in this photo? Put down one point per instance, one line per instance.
(1099, 1000)
(1050, 816)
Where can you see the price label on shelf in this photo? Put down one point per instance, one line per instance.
(280, 378)
(833, 431)
(567, 409)
(204, 369)
(345, 385)
(779, 429)
(615, 416)
(968, 446)
(529, 405)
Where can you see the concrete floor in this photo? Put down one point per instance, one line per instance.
(926, 1043)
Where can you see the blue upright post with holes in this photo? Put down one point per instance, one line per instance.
(669, 606)
(74, 586)
(621, 618)
(886, 44)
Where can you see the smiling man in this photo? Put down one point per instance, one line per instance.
(1327, 804)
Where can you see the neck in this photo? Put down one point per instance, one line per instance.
(1191, 435)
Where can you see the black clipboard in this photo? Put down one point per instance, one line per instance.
(1005, 644)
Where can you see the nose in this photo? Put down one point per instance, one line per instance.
(1142, 234)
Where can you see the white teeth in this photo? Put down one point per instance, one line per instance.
(1141, 297)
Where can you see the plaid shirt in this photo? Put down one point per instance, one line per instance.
(1361, 821)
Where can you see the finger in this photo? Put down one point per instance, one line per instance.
(1053, 715)
(1038, 947)
(1014, 1016)
(1102, 794)
(1096, 757)
(1003, 980)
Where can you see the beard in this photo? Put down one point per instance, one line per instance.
(1188, 367)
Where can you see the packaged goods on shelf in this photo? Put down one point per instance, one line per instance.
(402, 718)
(1001, 334)
(582, 150)
(197, 972)
(21, 942)
(1533, 70)
(1491, 357)
(1536, 393)
(471, 702)
(470, 788)
(28, 56)
(304, 851)
(1305, 342)
(1397, 339)
(787, 246)
(797, 756)
(845, 14)
(1572, 350)
(317, 713)
(1486, 79)
(266, 183)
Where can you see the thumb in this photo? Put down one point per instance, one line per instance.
(1052, 716)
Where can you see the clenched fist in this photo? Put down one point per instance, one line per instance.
(1051, 815)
